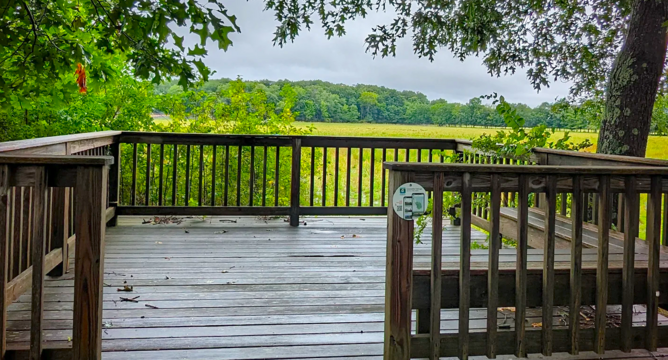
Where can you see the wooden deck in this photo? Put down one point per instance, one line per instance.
(251, 289)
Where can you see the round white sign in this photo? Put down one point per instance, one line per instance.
(409, 201)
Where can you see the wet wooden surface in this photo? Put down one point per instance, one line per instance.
(252, 289)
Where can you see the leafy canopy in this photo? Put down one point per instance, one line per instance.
(41, 42)
(553, 39)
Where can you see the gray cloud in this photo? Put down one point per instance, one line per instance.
(343, 60)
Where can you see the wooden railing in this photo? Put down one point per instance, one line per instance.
(633, 280)
(45, 178)
(209, 174)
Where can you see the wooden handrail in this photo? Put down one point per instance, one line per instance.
(527, 169)
(59, 145)
(555, 283)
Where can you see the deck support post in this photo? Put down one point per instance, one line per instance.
(115, 180)
(91, 198)
(399, 278)
(4, 255)
(295, 180)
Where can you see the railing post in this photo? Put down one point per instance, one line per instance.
(40, 193)
(91, 199)
(114, 180)
(398, 277)
(4, 258)
(60, 227)
(295, 180)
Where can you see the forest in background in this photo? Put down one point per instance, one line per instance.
(131, 104)
(322, 101)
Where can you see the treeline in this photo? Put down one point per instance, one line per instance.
(322, 101)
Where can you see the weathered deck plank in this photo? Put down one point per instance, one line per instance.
(225, 291)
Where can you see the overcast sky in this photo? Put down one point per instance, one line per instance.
(343, 60)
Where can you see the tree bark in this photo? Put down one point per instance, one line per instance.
(634, 80)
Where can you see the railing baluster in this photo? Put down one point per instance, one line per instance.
(187, 194)
(277, 175)
(628, 271)
(548, 263)
(200, 169)
(147, 191)
(577, 208)
(336, 177)
(251, 181)
(664, 238)
(213, 174)
(240, 151)
(312, 184)
(493, 267)
(382, 179)
(604, 222)
(4, 255)
(620, 212)
(264, 176)
(175, 167)
(360, 172)
(160, 173)
(38, 244)
(372, 177)
(227, 175)
(15, 223)
(408, 155)
(348, 169)
(465, 268)
(653, 242)
(436, 265)
(324, 176)
(133, 193)
(521, 266)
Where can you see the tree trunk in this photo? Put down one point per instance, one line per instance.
(634, 80)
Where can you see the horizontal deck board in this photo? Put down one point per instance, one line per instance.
(223, 290)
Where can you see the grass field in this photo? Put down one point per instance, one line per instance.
(657, 148)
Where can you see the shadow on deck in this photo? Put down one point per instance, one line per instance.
(246, 288)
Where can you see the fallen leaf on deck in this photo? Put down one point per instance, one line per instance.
(507, 308)
(224, 271)
(69, 339)
(220, 232)
(537, 325)
(126, 288)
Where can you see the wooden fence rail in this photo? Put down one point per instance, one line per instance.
(46, 179)
(633, 280)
